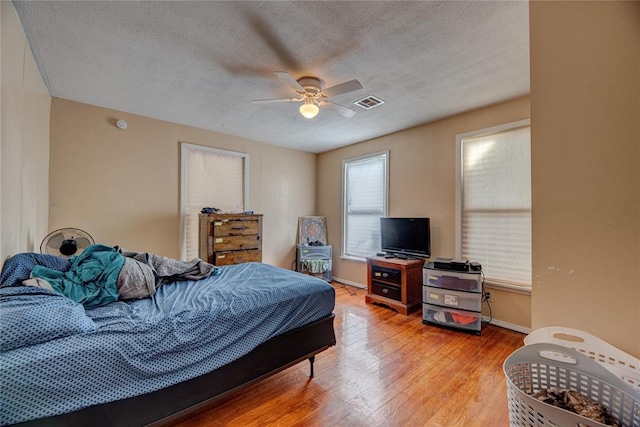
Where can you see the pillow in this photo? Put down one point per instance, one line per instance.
(18, 267)
(30, 315)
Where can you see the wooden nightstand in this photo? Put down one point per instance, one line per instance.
(396, 283)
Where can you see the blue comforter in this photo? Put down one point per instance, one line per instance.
(92, 279)
(124, 349)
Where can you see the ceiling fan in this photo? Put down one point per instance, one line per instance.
(311, 94)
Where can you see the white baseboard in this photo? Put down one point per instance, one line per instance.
(496, 322)
(511, 326)
(349, 282)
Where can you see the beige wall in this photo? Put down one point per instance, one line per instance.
(24, 142)
(422, 182)
(585, 114)
(122, 186)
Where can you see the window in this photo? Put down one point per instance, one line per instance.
(364, 188)
(494, 203)
(210, 178)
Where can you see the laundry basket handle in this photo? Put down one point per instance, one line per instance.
(558, 356)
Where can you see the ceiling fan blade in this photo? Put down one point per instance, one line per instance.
(286, 77)
(276, 100)
(345, 87)
(343, 111)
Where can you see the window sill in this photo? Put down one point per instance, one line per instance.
(352, 258)
(507, 288)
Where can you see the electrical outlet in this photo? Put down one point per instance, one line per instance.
(487, 296)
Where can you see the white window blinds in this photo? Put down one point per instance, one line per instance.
(210, 178)
(365, 201)
(496, 204)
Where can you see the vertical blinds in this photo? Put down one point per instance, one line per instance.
(365, 195)
(496, 205)
(211, 179)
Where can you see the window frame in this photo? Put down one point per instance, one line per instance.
(184, 149)
(459, 196)
(385, 208)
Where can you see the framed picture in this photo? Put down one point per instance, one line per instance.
(312, 229)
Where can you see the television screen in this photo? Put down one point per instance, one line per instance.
(406, 236)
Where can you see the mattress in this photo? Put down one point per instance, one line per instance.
(123, 349)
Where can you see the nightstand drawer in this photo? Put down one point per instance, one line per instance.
(390, 275)
(387, 291)
(449, 298)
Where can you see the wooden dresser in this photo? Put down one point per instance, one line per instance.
(230, 238)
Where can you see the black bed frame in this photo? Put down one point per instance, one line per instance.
(168, 405)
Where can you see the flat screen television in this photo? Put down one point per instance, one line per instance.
(410, 237)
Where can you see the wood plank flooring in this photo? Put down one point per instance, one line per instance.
(386, 370)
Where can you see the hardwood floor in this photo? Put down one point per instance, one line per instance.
(387, 369)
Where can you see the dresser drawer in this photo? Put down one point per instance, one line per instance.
(455, 280)
(235, 227)
(459, 319)
(232, 243)
(387, 291)
(236, 257)
(455, 299)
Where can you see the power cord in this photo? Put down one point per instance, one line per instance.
(346, 287)
(486, 298)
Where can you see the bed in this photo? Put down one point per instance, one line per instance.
(154, 360)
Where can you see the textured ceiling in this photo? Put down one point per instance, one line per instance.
(200, 63)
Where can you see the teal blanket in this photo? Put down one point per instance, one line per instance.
(92, 278)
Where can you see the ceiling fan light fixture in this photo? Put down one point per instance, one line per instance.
(313, 97)
(309, 110)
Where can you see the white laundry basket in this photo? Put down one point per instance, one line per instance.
(615, 360)
(540, 366)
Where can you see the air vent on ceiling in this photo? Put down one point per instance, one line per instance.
(369, 102)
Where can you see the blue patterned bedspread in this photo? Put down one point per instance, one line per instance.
(125, 349)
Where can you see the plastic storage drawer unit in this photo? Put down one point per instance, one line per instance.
(314, 261)
(455, 280)
(450, 298)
